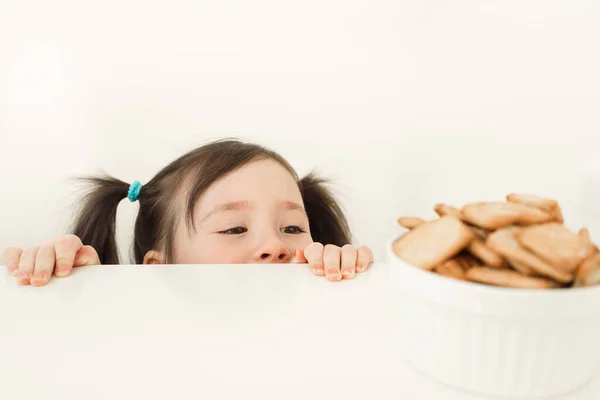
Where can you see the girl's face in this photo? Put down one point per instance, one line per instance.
(253, 215)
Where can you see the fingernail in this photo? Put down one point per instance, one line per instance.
(348, 274)
(24, 278)
(318, 268)
(14, 272)
(334, 275)
(61, 272)
(39, 277)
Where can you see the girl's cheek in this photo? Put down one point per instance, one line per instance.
(224, 254)
(305, 239)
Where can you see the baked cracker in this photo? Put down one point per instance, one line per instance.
(479, 232)
(451, 269)
(521, 268)
(410, 222)
(489, 257)
(503, 242)
(549, 205)
(555, 244)
(584, 234)
(466, 260)
(442, 210)
(588, 273)
(496, 215)
(433, 242)
(508, 278)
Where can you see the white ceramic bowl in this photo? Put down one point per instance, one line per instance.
(496, 341)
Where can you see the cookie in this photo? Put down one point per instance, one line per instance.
(588, 273)
(433, 242)
(555, 244)
(442, 210)
(503, 242)
(508, 278)
(480, 233)
(451, 269)
(466, 260)
(496, 215)
(521, 268)
(584, 234)
(489, 257)
(410, 222)
(548, 205)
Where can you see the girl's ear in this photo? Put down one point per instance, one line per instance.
(154, 257)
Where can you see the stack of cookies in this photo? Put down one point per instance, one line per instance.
(521, 242)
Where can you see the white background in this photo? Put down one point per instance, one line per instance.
(405, 104)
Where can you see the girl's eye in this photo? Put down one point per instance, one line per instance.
(292, 230)
(238, 230)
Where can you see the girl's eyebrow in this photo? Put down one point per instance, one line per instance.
(232, 206)
(245, 204)
(291, 205)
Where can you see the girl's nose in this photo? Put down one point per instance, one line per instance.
(273, 252)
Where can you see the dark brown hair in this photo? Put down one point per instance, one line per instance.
(197, 170)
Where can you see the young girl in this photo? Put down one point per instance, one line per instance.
(224, 202)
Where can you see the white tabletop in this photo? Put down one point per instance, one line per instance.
(207, 331)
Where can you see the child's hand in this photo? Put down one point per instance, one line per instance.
(334, 262)
(35, 266)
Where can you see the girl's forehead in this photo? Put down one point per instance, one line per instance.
(255, 181)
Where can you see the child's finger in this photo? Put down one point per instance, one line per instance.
(364, 258)
(11, 258)
(66, 248)
(86, 256)
(314, 255)
(44, 265)
(348, 261)
(331, 261)
(26, 265)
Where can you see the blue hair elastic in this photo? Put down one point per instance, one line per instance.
(134, 191)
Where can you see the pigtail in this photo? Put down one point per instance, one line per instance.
(328, 224)
(96, 220)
